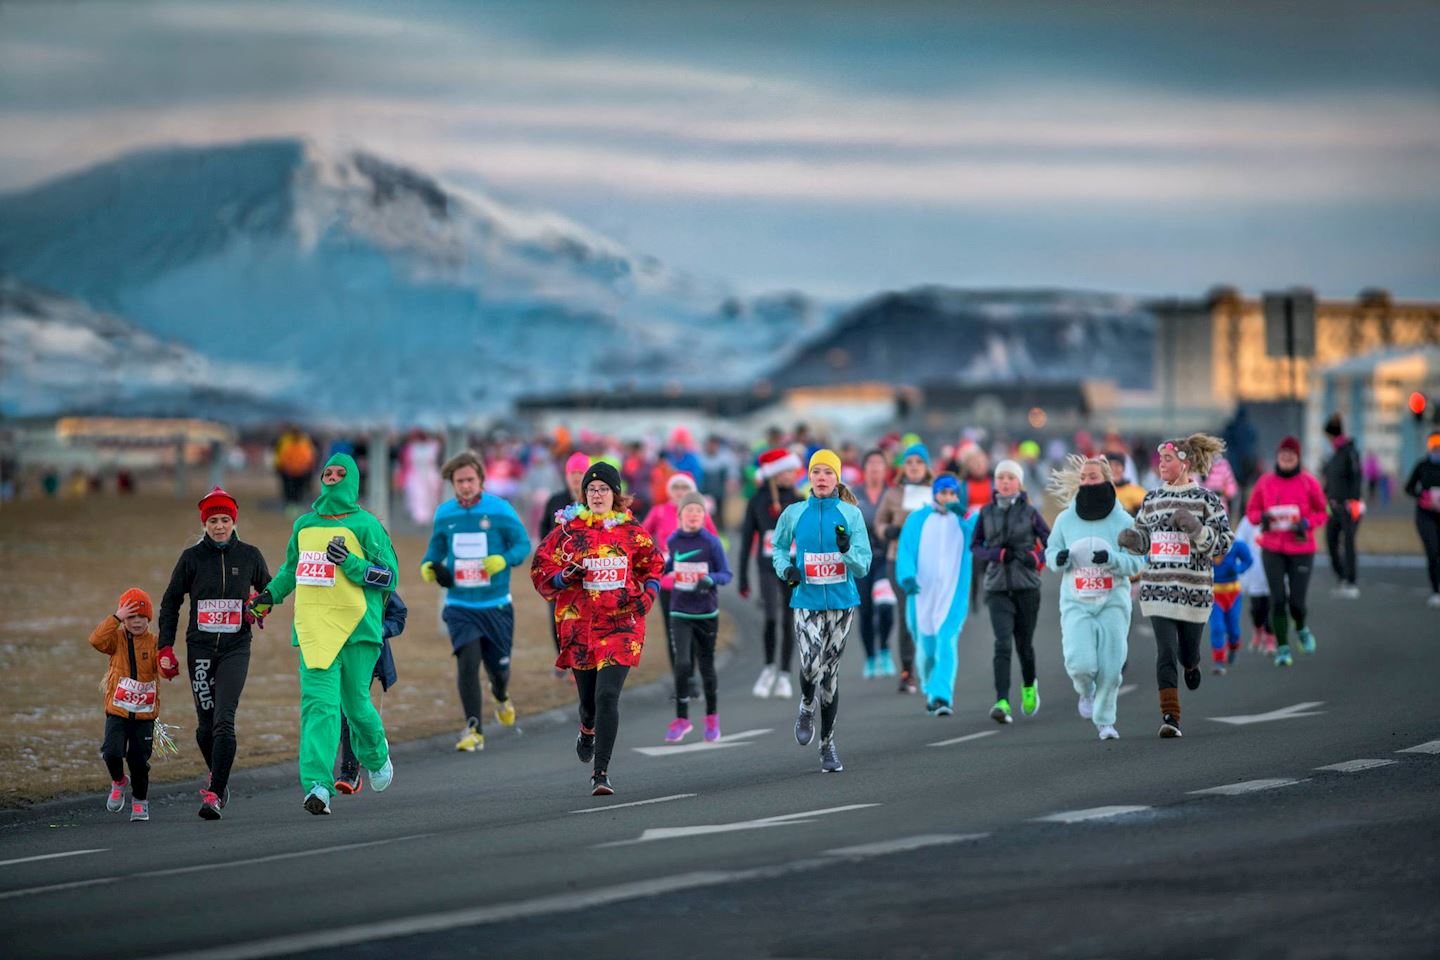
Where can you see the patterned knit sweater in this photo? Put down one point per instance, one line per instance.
(1178, 579)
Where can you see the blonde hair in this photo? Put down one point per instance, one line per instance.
(1064, 482)
(1200, 451)
(843, 492)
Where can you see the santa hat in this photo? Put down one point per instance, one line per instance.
(777, 461)
(681, 479)
(216, 502)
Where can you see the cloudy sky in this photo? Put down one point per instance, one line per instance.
(835, 147)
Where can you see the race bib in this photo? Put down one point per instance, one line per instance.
(1284, 517)
(915, 496)
(767, 544)
(1169, 546)
(315, 569)
(136, 696)
(823, 569)
(883, 592)
(1434, 497)
(218, 616)
(470, 550)
(471, 573)
(688, 575)
(1093, 584)
(606, 573)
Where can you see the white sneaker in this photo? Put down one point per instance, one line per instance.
(1086, 707)
(317, 801)
(380, 779)
(1350, 592)
(1434, 600)
(766, 682)
(1108, 732)
(783, 690)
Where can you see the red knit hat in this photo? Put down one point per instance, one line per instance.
(218, 501)
(1292, 444)
(144, 608)
(776, 461)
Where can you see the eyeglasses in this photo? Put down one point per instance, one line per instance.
(598, 488)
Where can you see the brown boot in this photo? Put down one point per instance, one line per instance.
(1169, 712)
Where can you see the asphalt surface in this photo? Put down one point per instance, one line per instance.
(915, 850)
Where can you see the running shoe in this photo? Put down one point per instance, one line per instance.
(887, 664)
(224, 797)
(1218, 669)
(209, 806)
(830, 758)
(585, 745)
(380, 779)
(907, 683)
(942, 708)
(783, 690)
(1192, 677)
(1000, 713)
(1030, 699)
(930, 706)
(1086, 707)
(1257, 640)
(317, 801)
(1349, 591)
(1270, 642)
(139, 811)
(805, 725)
(1232, 651)
(1307, 640)
(765, 682)
(1108, 732)
(1434, 600)
(349, 782)
(600, 785)
(712, 727)
(116, 801)
(1169, 727)
(1282, 656)
(505, 713)
(678, 730)
(471, 740)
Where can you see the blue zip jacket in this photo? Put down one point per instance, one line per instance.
(810, 525)
(1236, 562)
(702, 546)
(504, 535)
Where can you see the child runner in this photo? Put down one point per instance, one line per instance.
(1094, 585)
(877, 593)
(776, 491)
(475, 540)
(1254, 586)
(663, 520)
(602, 571)
(910, 494)
(1182, 528)
(1011, 541)
(832, 549)
(132, 699)
(695, 566)
(392, 625)
(933, 563)
(1229, 598)
(1424, 485)
(1289, 506)
(219, 574)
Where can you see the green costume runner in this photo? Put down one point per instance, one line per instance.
(338, 610)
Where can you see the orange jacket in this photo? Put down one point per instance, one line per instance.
(132, 657)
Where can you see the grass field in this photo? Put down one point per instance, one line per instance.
(63, 565)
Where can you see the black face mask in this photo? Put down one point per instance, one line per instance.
(1095, 501)
(1279, 471)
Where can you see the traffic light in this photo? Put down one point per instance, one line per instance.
(1417, 406)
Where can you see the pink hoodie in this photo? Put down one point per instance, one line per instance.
(1287, 500)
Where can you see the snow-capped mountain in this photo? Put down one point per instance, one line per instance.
(371, 290)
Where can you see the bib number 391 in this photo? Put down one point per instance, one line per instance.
(218, 616)
(823, 569)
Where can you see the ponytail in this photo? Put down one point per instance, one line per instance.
(846, 495)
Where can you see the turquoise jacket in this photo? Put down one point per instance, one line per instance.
(810, 525)
(1069, 529)
(503, 534)
(907, 561)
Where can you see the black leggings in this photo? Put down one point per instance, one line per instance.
(129, 741)
(1340, 542)
(1289, 578)
(902, 625)
(775, 597)
(1427, 522)
(1260, 611)
(600, 708)
(218, 669)
(1175, 639)
(1013, 617)
(468, 661)
(694, 644)
(876, 619)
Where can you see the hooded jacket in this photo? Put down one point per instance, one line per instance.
(1085, 590)
(828, 576)
(915, 557)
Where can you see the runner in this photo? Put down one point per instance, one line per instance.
(219, 573)
(901, 500)
(695, 566)
(132, 699)
(392, 625)
(877, 593)
(1094, 585)
(933, 563)
(1011, 541)
(602, 570)
(575, 468)
(1229, 598)
(1127, 493)
(776, 491)
(475, 540)
(1288, 506)
(1182, 529)
(341, 566)
(1254, 585)
(832, 549)
(1424, 486)
(1345, 497)
(663, 520)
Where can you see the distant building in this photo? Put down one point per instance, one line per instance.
(1371, 394)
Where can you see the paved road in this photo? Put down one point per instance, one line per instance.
(916, 850)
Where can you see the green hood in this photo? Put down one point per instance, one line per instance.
(343, 497)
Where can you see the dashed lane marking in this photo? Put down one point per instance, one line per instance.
(1430, 746)
(742, 739)
(1092, 813)
(904, 844)
(637, 803)
(704, 829)
(1355, 766)
(968, 736)
(1291, 712)
(1244, 786)
(51, 856)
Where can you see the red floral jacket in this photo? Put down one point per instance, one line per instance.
(599, 615)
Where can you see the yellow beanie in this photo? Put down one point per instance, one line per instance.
(829, 458)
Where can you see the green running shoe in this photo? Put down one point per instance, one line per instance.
(1000, 713)
(1030, 700)
(1282, 656)
(1307, 640)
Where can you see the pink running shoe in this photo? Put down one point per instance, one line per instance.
(678, 730)
(712, 727)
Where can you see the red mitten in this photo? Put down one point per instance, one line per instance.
(169, 666)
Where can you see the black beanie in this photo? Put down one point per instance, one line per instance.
(1334, 426)
(605, 473)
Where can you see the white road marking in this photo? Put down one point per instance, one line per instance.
(1093, 813)
(1306, 709)
(1245, 786)
(904, 844)
(968, 736)
(1127, 688)
(637, 803)
(199, 868)
(705, 829)
(741, 739)
(1430, 746)
(1355, 766)
(51, 856)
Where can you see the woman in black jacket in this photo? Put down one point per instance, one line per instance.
(1424, 486)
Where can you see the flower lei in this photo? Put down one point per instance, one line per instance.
(588, 517)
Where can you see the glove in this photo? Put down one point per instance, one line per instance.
(495, 563)
(1062, 559)
(909, 586)
(1265, 522)
(336, 551)
(1129, 539)
(792, 576)
(259, 608)
(1028, 560)
(960, 508)
(443, 575)
(1100, 557)
(644, 602)
(1302, 528)
(1185, 521)
(169, 666)
(705, 583)
(842, 538)
(427, 571)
